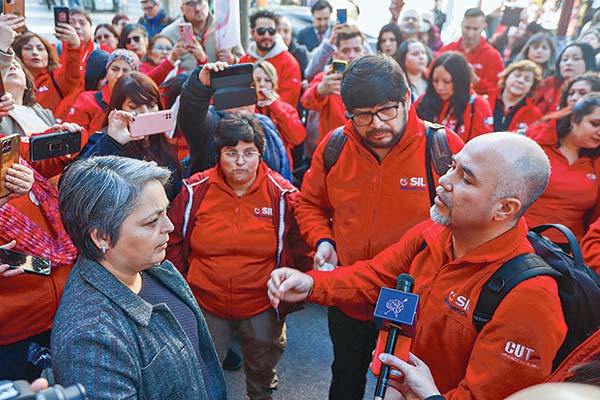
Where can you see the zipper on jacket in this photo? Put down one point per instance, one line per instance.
(374, 195)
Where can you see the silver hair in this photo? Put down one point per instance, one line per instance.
(98, 193)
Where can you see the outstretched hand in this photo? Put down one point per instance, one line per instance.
(288, 284)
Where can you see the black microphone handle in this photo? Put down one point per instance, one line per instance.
(384, 374)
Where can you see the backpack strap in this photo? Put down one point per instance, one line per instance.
(509, 275)
(333, 148)
(437, 153)
(56, 86)
(100, 101)
(571, 240)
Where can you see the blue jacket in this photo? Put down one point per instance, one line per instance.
(121, 347)
(155, 25)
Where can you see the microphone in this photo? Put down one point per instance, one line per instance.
(395, 313)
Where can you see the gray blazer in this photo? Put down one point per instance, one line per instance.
(121, 347)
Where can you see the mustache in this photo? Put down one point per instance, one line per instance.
(442, 193)
(374, 132)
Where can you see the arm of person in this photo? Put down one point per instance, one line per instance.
(68, 76)
(195, 119)
(312, 99)
(509, 353)
(358, 283)
(287, 119)
(489, 78)
(99, 359)
(321, 57)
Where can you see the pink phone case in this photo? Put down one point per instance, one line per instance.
(152, 123)
(186, 32)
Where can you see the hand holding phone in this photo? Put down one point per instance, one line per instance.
(186, 32)
(339, 66)
(15, 7)
(28, 263)
(9, 146)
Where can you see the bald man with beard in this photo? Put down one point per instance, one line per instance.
(476, 226)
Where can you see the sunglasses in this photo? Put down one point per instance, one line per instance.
(103, 36)
(261, 31)
(132, 39)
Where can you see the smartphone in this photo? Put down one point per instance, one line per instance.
(341, 15)
(233, 86)
(61, 15)
(152, 123)
(31, 264)
(10, 155)
(16, 7)
(186, 32)
(511, 16)
(43, 147)
(339, 66)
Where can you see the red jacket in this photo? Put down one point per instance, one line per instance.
(157, 73)
(287, 121)
(480, 114)
(87, 112)
(331, 108)
(365, 205)
(289, 78)
(29, 302)
(232, 244)
(590, 246)
(586, 352)
(507, 355)
(547, 95)
(68, 80)
(485, 60)
(572, 194)
(525, 115)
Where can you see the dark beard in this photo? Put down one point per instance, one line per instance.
(265, 49)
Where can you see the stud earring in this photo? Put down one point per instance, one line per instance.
(103, 249)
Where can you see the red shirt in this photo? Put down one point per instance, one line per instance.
(288, 124)
(590, 245)
(331, 108)
(571, 194)
(289, 78)
(477, 119)
(523, 117)
(485, 60)
(68, 80)
(547, 95)
(508, 354)
(87, 112)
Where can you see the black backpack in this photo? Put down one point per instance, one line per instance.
(437, 152)
(578, 286)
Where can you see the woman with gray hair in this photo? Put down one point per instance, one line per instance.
(128, 325)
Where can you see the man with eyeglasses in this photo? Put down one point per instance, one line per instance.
(154, 19)
(197, 13)
(323, 92)
(375, 191)
(269, 46)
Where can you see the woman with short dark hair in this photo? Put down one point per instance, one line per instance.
(450, 101)
(234, 224)
(127, 325)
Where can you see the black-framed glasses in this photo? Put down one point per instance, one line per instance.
(132, 39)
(261, 31)
(366, 118)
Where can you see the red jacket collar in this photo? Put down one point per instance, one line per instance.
(218, 178)
(500, 249)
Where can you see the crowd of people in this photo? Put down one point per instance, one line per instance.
(166, 247)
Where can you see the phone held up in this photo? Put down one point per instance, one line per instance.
(61, 15)
(186, 32)
(152, 123)
(31, 264)
(10, 155)
(341, 15)
(233, 86)
(339, 66)
(56, 144)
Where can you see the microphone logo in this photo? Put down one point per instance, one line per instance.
(395, 305)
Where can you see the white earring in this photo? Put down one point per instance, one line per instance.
(103, 249)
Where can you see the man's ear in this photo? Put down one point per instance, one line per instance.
(507, 208)
(407, 101)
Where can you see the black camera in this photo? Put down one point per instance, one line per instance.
(21, 390)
